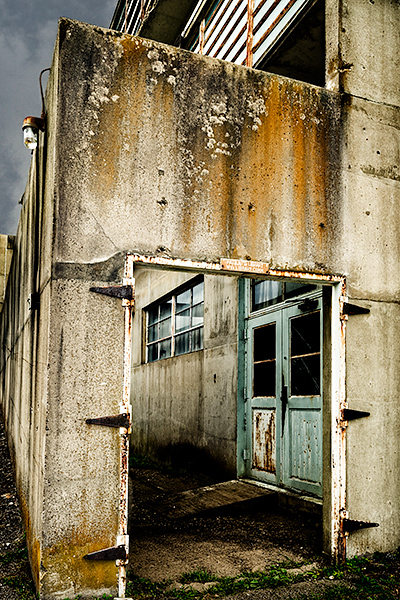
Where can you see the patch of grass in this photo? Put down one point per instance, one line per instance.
(14, 555)
(19, 553)
(224, 586)
(364, 578)
(22, 583)
(199, 576)
(139, 587)
(18, 576)
(361, 578)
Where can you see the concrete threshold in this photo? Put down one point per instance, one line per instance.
(289, 499)
(216, 496)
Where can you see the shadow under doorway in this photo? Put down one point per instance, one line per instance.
(182, 522)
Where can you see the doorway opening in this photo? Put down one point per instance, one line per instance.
(250, 373)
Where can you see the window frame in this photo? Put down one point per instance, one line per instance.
(173, 334)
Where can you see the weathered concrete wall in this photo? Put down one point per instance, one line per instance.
(184, 407)
(6, 248)
(67, 472)
(23, 367)
(369, 44)
(85, 345)
(153, 149)
(201, 157)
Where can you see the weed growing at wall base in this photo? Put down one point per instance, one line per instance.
(372, 578)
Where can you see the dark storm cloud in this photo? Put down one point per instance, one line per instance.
(28, 30)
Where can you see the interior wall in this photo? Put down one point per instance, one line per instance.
(184, 407)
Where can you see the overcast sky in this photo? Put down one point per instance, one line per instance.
(28, 30)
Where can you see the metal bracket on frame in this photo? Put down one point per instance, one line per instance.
(124, 292)
(122, 420)
(113, 553)
(353, 309)
(350, 525)
(34, 301)
(348, 414)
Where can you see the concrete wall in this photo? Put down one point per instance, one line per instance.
(184, 407)
(6, 246)
(153, 149)
(368, 35)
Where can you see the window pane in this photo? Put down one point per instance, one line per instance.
(305, 376)
(183, 301)
(153, 315)
(165, 349)
(305, 334)
(264, 379)
(182, 321)
(182, 343)
(166, 309)
(294, 288)
(153, 333)
(198, 293)
(197, 315)
(265, 293)
(264, 355)
(264, 342)
(197, 339)
(165, 328)
(152, 353)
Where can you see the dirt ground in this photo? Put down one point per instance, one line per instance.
(15, 573)
(226, 541)
(247, 536)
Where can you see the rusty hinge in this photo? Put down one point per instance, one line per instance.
(113, 421)
(113, 553)
(350, 525)
(34, 301)
(125, 292)
(349, 414)
(353, 309)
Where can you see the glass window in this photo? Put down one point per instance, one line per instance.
(175, 325)
(266, 292)
(305, 355)
(264, 360)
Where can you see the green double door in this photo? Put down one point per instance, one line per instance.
(283, 395)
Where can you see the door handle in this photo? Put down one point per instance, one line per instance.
(284, 401)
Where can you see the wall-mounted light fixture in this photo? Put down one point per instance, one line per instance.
(31, 125)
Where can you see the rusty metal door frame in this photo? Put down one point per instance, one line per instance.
(334, 500)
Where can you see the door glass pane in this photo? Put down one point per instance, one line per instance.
(265, 293)
(264, 342)
(264, 379)
(305, 376)
(293, 288)
(305, 355)
(305, 334)
(264, 360)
